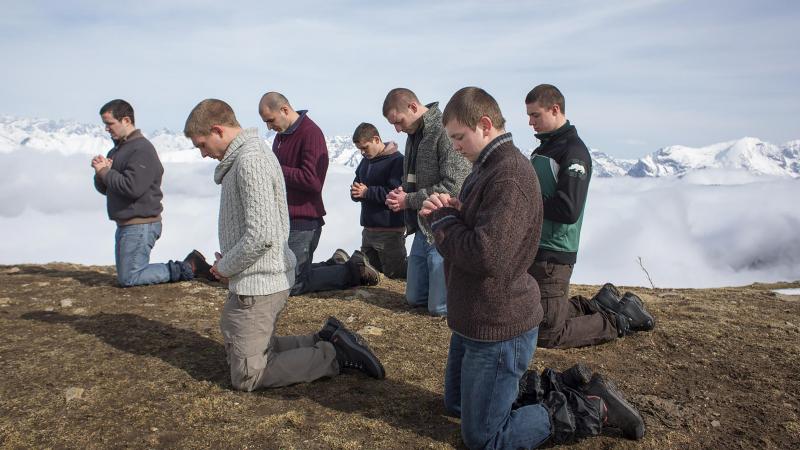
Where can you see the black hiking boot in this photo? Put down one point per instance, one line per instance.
(617, 412)
(632, 307)
(200, 268)
(577, 376)
(534, 388)
(328, 328)
(573, 415)
(367, 275)
(608, 298)
(352, 352)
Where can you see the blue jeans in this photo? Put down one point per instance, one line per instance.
(425, 284)
(481, 383)
(132, 255)
(311, 277)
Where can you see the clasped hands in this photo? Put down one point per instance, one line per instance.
(100, 162)
(439, 200)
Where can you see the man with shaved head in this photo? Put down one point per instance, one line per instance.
(303, 156)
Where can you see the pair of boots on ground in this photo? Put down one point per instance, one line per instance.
(627, 310)
(361, 271)
(581, 404)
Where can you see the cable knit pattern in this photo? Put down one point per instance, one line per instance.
(253, 218)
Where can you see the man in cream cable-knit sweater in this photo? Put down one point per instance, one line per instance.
(259, 266)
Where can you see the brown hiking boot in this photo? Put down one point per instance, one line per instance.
(368, 275)
(200, 267)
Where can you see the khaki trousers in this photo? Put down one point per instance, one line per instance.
(258, 358)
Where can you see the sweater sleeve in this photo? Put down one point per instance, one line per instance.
(137, 176)
(310, 175)
(255, 190)
(566, 204)
(481, 250)
(453, 168)
(99, 185)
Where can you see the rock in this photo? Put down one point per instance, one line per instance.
(350, 319)
(369, 330)
(153, 429)
(10, 270)
(80, 311)
(49, 309)
(66, 303)
(74, 393)
(361, 293)
(5, 301)
(42, 283)
(715, 423)
(149, 304)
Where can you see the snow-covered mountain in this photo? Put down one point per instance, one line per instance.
(72, 138)
(748, 154)
(604, 165)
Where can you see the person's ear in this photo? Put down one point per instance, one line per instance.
(126, 120)
(216, 129)
(376, 139)
(555, 109)
(413, 107)
(485, 125)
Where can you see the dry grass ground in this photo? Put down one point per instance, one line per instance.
(146, 369)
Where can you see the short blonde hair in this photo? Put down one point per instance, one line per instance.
(206, 114)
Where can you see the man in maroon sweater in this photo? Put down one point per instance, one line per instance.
(488, 237)
(303, 155)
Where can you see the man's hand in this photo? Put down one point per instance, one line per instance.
(215, 272)
(439, 200)
(358, 190)
(100, 162)
(396, 200)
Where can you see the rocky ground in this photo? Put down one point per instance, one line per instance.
(85, 364)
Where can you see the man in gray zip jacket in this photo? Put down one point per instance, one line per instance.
(431, 165)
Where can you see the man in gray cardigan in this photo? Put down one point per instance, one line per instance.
(430, 166)
(258, 265)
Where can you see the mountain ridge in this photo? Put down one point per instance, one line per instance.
(749, 154)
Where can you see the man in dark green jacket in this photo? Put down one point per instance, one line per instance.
(564, 168)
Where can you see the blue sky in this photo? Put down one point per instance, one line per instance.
(637, 75)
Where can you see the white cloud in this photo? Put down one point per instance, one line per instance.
(712, 228)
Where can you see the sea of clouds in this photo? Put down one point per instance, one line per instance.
(709, 228)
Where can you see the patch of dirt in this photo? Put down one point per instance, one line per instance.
(85, 364)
